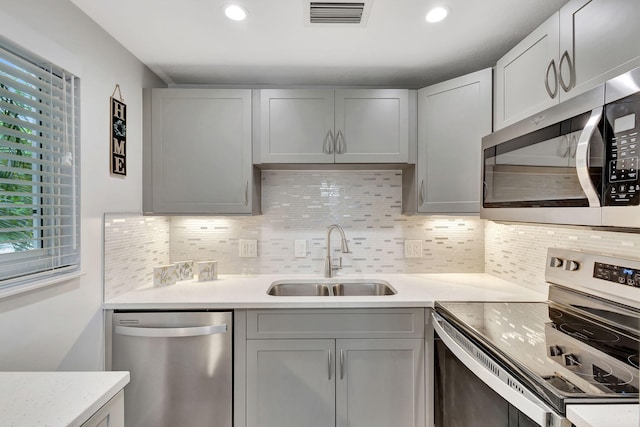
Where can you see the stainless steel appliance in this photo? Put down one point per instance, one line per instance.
(575, 163)
(180, 365)
(524, 364)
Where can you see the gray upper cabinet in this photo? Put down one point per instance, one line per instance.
(334, 126)
(296, 126)
(453, 116)
(197, 152)
(584, 44)
(598, 41)
(526, 77)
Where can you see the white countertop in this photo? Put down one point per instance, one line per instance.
(52, 399)
(604, 415)
(413, 290)
(250, 291)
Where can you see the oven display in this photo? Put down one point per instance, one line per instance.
(615, 273)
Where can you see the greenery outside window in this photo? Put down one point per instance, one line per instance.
(39, 169)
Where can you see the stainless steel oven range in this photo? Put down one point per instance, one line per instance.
(525, 363)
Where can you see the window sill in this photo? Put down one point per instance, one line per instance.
(38, 284)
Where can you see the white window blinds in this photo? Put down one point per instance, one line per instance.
(39, 169)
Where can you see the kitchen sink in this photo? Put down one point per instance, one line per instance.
(298, 289)
(362, 289)
(338, 288)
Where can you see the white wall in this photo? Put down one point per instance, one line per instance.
(61, 327)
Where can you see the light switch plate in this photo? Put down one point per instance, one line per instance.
(300, 248)
(248, 248)
(413, 248)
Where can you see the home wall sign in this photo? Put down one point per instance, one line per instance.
(118, 134)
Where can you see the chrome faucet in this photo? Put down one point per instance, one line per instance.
(328, 267)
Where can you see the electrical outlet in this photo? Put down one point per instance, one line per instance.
(413, 248)
(248, 248)
(300, 248)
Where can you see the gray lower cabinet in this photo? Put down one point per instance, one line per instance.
(110, 415)
(290, 383)
(379, 383)
(197, 152)
(355, 368)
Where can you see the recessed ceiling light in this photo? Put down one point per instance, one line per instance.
(437, 14)
(235, 12)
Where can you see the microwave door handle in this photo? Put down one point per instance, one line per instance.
(582, 157)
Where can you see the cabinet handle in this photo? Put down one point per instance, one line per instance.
(329, 141)
(340, 143)
(552, 65)
(421, 193)
(566, 87)
(573, 147)
(329, 367)
(564, 147)
(341, 364)
(246, 194)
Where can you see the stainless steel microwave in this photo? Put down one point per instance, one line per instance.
(575, 163)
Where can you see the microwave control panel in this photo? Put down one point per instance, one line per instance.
(622, 183)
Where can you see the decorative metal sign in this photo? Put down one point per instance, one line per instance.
(118, 135)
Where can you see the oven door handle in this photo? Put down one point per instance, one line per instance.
(531, 406)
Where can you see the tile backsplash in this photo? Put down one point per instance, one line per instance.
(517, 252)
(300, 205)
(133, 246)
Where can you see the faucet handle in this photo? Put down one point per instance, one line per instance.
(339, 267)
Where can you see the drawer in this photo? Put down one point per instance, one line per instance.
(336, 323)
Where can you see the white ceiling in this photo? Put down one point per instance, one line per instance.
(192, 42)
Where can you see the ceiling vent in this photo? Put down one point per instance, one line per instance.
(337, 13)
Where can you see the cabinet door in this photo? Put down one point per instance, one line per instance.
(199, 152)
(453, 117)
(380, 383)
(526, 77)
(296, 126)
(110, 415)
(372, 126)
(599, 38)
(290, 383)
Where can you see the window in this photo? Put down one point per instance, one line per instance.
(39, 169)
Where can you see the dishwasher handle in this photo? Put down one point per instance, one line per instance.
(196, 331)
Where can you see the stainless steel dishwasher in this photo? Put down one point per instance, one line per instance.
(181, 366)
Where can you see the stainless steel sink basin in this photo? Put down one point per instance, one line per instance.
(298, 289)
(301, 288)
(362, 289)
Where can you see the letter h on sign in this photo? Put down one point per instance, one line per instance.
(118, 138)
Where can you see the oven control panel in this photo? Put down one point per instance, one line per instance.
(618, 274)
